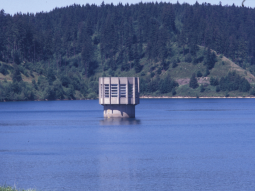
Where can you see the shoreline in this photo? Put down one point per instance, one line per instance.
(143, 97)
(188, 97)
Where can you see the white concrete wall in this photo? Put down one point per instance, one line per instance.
(134, 100)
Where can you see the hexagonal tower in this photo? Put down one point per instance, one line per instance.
(119, 95)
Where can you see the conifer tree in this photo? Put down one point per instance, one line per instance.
(137, 65)
(193, 81)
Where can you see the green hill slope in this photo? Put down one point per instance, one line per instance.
(29, 81)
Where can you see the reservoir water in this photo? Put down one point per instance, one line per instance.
(172, 144)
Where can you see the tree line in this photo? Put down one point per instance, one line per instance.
(120, 33)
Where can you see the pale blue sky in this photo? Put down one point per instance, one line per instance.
(24, 6)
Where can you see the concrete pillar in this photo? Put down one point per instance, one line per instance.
(133, 90)
(127, 98)
(102, 93)
(119, 111)
(118, 91)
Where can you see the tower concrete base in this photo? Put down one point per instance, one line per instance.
(119, 111)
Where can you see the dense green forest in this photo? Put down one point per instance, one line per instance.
(175, 49)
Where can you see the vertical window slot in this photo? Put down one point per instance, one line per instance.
(136, 90)
(101, 90)
(114, 90)
(130, 90)
(122, 90)
(106, 90)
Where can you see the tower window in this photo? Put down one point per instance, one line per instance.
(106, 90)
(114, 90)
(101, 90)
(122, 90)
(136, 91)
(130, 90)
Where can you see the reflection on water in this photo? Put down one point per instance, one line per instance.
(120, 121)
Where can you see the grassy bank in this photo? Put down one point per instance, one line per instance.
(8, 188)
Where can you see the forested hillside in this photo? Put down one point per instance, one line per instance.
(176, 50)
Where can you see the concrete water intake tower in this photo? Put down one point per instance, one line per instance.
(119, 95)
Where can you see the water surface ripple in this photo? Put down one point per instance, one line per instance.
(172, 144)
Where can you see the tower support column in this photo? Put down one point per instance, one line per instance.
(119, 111)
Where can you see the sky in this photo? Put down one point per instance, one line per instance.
(34, 6)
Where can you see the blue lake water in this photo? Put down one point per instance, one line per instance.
(172, 144)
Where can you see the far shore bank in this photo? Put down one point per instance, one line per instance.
(188, 97)
(142, 97)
